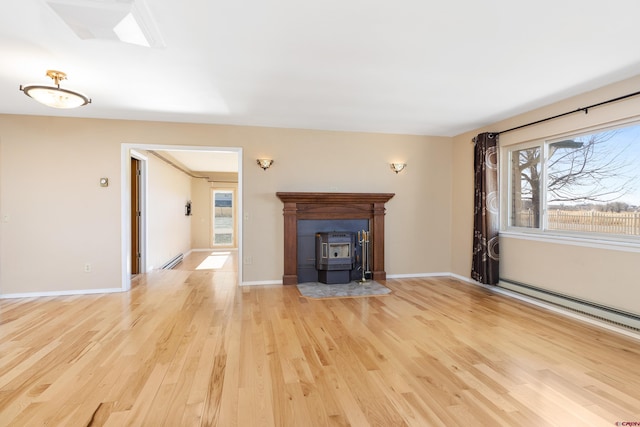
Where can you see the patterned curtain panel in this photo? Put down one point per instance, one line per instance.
(486, 220)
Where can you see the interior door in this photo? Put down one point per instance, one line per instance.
(135, 215)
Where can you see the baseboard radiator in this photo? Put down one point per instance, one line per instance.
(173, 262)
(600, 312)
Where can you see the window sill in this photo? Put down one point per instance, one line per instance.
(585, 241)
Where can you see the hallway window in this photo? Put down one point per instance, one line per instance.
(223, 218)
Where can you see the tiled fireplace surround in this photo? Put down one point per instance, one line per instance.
(327, 206)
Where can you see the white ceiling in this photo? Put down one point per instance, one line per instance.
(406, 66)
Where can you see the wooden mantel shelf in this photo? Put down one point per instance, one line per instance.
(333, 206)
(324, 198)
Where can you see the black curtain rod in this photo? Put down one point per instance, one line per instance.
(585, 109)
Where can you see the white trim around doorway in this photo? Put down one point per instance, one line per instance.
(127, 151)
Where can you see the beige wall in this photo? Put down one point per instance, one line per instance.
(201, 214)
(600, 275)
(55, 216)
(59, 218)
(168, 228)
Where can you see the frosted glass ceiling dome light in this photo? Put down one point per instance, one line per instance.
(55, 96)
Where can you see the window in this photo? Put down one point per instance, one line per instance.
(223, 218)
(525, 188)
(580, 184)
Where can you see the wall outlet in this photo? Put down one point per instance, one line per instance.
(248, 260)
(87, 268)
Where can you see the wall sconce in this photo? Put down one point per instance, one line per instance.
(398, 167)
(187, 208)
(264, 163)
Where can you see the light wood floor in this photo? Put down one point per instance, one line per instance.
(188, 347)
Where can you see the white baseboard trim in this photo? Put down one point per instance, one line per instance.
(262, 282)
(62, 293)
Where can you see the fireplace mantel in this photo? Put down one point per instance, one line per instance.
(333, 206)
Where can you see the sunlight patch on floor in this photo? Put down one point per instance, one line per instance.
(214, 261)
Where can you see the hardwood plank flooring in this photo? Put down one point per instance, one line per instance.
(188, 347)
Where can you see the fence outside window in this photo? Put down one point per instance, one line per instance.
(623, 223)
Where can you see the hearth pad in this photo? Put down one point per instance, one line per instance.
(346, 290)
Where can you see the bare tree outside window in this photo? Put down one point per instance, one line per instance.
(594, 169)
(525, 187)
(585, 177)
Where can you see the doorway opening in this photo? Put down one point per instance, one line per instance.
(137, 190)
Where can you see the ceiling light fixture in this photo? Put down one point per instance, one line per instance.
(55, 96)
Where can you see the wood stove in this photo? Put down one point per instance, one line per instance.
(335, 256)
